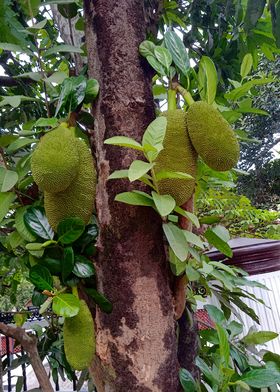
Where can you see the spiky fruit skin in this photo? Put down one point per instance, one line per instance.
(178, 155)
(212, 136)
(78, 198)
(79, 338)
(55, 161)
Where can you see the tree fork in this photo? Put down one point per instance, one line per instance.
(136, 343)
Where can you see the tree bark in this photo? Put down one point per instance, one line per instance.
(136, 343)
(29, 344)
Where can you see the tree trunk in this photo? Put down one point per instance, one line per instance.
(136, 343)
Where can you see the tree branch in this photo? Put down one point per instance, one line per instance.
(29, 344)
(9, 81)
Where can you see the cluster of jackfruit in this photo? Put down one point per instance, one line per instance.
(79, 338)
(63, 167)
(200, 131)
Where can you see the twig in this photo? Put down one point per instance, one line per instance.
(29, 344)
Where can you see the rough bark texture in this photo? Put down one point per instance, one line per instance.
(136, 343)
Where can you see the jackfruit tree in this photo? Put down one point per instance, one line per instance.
(108, 144)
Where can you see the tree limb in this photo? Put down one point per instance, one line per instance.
(9, 81)
(29, 344)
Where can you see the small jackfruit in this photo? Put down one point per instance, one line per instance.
(55, 161)
(212, 136)
(78, 199)
(79, 338)
(178, 155)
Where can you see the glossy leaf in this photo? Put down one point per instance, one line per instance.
(124, 141)
(8, 179)
(104, 304)
(41, 278)
(69, 230)
(215, 240)
(135, 199)
(62, 48)
(163, 56)
(137, 169)
(178, 51)
(5, 203)
(158, 67)
(154, 136)
(208, 79)
(262, 377)
(260, 337)
(189, 215)
(246, 65)
(172, 174)
(187, 381)
(215, 314)
(83, 268)
(146, 48)
(68, 262)
(66, 305)
(36, 221)
(176, 240)
(165, 204)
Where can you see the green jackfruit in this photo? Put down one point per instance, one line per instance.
(178, 155)
(79, 338)
(78, 198)
(212, 136)
(55, 161)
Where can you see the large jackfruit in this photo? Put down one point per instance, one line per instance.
(178, 155)
(212, 136)
(79, 338)
(78, 198)
(55, 161)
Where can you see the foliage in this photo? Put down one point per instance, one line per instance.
(224, 41)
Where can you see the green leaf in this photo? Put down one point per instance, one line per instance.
(83, 267)
(137, 169)
(68, 262)
(6, 199)
(192, 274)
(193, 239)
(38, 298)
(69, 11)
(38, 26)
(13, 101)
(165, 204)
(69, 230)
(53, 265)
(46, 122)
(254, 11)
(146, 48)
(104, 304)
(223, 345)
(92, 90)
(118, 174)
(246, 65)
(62, 48)
(57, 77)
(8, 179)
(20, 143)
(215, 240)
(275, 18)
(261, 337)
(72, 94)
(5, 140)
(176, 239)
(21, 227)
(124, 141)
(177, 266)
(215, 314)
(20, 319)
(178, 51)
(32, 75)
(207, 79)
(158, 67)
(66, 305)
(36, 221)
(189, 215)
(135, 199)
(163, 56)
(239, 92)
(187, 381)
(262, 377)
(172, 174)
(15, 48)
(154, 136)
(41, 278)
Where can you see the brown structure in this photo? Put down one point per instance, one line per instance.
(254, 255)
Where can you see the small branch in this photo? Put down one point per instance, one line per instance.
(9, 81)
(29, 344)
